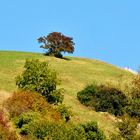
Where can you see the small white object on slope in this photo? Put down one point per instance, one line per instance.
(130, 70)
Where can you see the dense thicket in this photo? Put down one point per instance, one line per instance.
(32, 124)
(104, 98)
(36, 119)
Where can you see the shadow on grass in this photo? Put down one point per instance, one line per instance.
(63, 58)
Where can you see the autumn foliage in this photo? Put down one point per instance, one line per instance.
(56, 43)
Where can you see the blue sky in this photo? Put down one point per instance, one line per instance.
(108, 30)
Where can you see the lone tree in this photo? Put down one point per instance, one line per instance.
(56, 43)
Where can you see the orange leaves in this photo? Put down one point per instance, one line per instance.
(56, 43)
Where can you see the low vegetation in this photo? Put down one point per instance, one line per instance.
(35, 118)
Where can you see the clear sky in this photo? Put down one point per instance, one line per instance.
(108, 30)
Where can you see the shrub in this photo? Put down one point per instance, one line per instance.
(127, 128)
(3, 118)
(55, 96)
(114, 136)
(65, 112)
(26, 101)
(27, 123)
(34, 125)
(76, 133)
(24, 120)
(6, 133)
(40, 78)
(134, 106)
(134, 109)
(104, 98)
(93, 132)
(86, 96)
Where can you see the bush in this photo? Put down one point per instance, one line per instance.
(134, 106)
(65, 112)
(6, 133)
(76, 133)
(33, 125)
(93, 132)
(86, 96)
(23, 121)
(40, 78)
(27, 123)
(26, 101)
(55, 96)
(104, 98)
(134, 109)
(127, 128)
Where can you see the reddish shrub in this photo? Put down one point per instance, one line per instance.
(5, 131)
(26, 101)
(3, 119)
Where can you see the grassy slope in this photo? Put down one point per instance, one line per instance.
(74, 73)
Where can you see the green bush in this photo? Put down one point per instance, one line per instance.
(134, 109)
(24, 120)
(65, 112)
(76, 133)
(38, 77)
(31, 123)
(34, 125)
(55, 96)
(86, 96)
(104, 98)
(92, 131)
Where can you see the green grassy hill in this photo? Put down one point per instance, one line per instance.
(75, 73)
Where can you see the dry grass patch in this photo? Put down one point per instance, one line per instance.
(4, 95)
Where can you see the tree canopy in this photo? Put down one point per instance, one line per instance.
(56, 43)
(38, 77)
